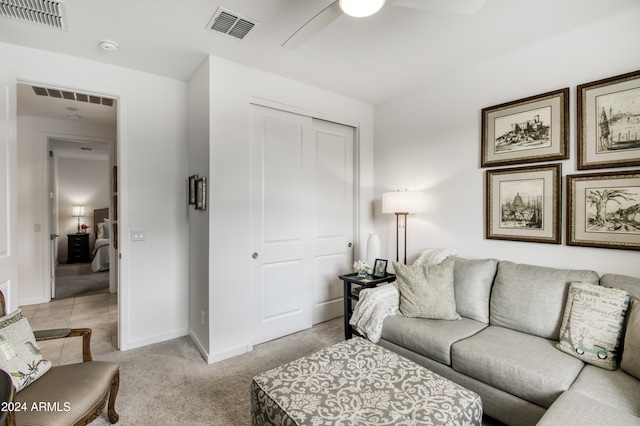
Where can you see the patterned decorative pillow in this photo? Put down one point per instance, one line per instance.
(592, 324)
(631, 353)
(426, 291)
(19, 354)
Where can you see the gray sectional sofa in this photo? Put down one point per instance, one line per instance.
(504, 347)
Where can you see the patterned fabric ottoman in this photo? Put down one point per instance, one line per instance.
(358, 383)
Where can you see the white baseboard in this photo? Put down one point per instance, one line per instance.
(219, 356)
(125, 346)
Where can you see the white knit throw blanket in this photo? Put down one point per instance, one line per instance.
(377, 303)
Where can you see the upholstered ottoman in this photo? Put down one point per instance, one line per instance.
(358, 383)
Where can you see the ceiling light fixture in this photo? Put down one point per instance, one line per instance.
(361, 8)
(108, 45)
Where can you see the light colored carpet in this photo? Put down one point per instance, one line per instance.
(170, 384)
(77, 279)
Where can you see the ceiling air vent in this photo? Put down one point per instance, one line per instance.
(230, 23)
(51, 13)
(72, 96)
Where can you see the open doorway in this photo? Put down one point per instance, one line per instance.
(80, 217)
(67, 150)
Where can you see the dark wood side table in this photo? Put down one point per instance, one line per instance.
(351, 293)
(78, 248)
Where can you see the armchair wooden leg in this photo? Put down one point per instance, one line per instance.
(11, 419)
(113, 394)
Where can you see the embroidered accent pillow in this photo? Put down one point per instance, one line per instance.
(19, 354)
(592, 324)
(426, 291)
(631, 353)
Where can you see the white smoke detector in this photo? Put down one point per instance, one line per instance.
(108, 45)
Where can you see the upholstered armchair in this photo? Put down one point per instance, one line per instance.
(74, 394)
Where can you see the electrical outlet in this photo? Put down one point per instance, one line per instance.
(202, 317)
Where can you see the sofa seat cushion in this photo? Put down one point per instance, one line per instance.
(427, 337)
(615, 388)
(573, 408)
(70, 390)
(472, 280)
(531, 298)
(523, 365)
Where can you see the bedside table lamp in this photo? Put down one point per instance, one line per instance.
(401, 203)
(78, 211)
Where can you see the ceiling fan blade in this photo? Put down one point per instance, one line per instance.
(313, 26)
(463, 7)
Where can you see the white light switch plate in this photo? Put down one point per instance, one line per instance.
(137, 235)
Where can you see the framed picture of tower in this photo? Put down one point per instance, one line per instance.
(603, 210)
(528, 130)
(523, 204)
(609, 122)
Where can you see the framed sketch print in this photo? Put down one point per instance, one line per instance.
(201, 193)
(528, 130)
(192, 189)
(609, 122)
(603, 210)
(523, 204)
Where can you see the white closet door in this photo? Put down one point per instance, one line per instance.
(298, 216)
(281, 190)
(333, 233)
(8, 188)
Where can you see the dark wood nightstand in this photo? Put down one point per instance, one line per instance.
(78, 248)
(351, 293)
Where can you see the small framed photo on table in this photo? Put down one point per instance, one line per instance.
(380, 268)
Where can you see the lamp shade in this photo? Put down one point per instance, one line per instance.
(78, 211)
(361, 8)
(403, 202)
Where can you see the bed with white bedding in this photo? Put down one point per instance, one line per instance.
(103, 234)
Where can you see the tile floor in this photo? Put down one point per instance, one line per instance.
(98, 312)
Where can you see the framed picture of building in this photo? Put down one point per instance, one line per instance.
(608, 118)
(528, 130)
(603, 210)
(523, 204)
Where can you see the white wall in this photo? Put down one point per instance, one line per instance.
(232, 88)
(199, 140)
(430, 140)
(152, 167)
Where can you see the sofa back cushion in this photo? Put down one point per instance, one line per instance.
(473, 279)
(623, 282)
(531, 298)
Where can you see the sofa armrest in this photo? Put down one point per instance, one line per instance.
(61, 333)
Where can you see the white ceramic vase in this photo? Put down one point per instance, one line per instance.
(373, 249)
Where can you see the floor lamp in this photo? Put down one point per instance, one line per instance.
(402, 203)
